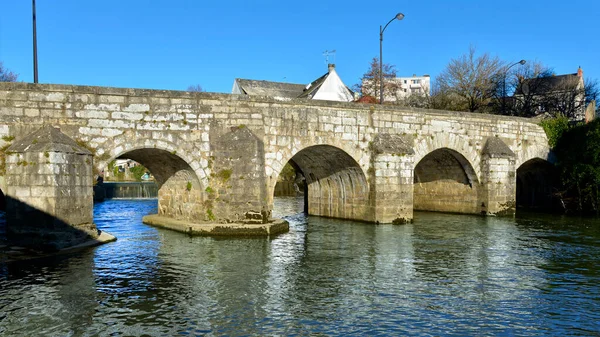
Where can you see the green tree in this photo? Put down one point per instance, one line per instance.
(369, 82)
(138, 171)
(578, 159)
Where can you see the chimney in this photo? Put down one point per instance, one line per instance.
(580, 72)
(331, 66)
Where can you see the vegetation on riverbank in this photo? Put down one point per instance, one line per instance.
(577, 149)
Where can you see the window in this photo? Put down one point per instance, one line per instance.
(404, 81)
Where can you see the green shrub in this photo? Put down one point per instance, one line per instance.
(555, 127)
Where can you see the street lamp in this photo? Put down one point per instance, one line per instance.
(522, 62)
(35, 63)
(398, 16)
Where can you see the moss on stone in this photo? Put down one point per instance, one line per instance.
(224, 174)
(210, 215)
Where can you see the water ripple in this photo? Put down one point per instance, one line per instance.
(443, 275)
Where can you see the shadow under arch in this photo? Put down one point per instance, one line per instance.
(180, 192)
(335, 184)
(445, 181)
(537, 183)
(2, 201)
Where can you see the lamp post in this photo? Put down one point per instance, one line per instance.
(398, 16)
(522, 62)
(35, 63)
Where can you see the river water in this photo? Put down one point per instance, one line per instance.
(442, 275)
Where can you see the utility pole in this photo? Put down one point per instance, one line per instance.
(35, 62)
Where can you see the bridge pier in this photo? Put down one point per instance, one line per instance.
(498, 183)
(49, 192)
(391, 177)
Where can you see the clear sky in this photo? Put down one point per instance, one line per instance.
(172, 44)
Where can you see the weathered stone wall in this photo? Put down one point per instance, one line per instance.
(446, 182)
(181, 198)
(49, 191)
(132, 122)
(53, 182)
(446, 196)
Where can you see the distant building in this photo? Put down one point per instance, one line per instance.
(415, 85)
(278, 90)
(328, 87)
(399, 88)
(558, 93)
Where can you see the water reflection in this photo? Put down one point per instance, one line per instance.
(442, 275)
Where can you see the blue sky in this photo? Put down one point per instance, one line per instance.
(173, 44)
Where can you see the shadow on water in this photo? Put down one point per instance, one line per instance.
(24, 225)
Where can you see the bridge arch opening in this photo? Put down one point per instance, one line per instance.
(537, 183)
(332, 182)
(445, 181)
(180, 193)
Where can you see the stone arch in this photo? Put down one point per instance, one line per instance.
(125, 143)
(534, 151)
(445, 181)
(180, 191)
(336, 184)
(275, 163)
(461, 146)
(536, 182)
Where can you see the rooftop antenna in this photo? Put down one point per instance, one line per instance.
(327, 53)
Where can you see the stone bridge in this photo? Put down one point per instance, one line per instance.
(217, 157)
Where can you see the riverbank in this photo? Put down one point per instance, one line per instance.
(277, 226)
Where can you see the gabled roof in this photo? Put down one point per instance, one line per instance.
(268, 88)
(309, 90)
(543, 85)
(328, 87)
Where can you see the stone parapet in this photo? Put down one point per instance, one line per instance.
(216, 157)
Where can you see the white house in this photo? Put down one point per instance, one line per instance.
(415, 85)
(399, 88)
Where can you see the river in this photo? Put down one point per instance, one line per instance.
(442, 275)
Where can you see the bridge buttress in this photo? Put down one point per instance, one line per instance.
(49, 191)
(391, 179)
(498, 179)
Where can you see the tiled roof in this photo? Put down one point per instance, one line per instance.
(544, 85)
(268, 88)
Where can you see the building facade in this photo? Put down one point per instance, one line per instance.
(415, 85)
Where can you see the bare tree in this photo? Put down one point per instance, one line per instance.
(7, 75)
(570, 97)
(195, 88)
(538, 90)
(509, 98)
(369, 82)
(419, 99)
(468, 81)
